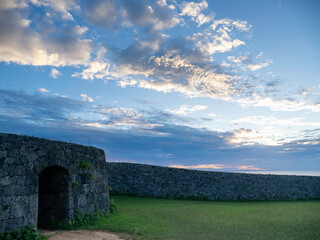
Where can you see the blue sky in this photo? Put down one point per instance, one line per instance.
(218, 85)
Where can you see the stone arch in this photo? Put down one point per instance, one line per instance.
(54, 187)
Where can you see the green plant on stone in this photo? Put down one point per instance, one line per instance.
(113, 208)
(92, 176)
(85, 165)
(74, 161)
(76, 184)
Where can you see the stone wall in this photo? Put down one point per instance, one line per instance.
(70, 176)
(163, 182)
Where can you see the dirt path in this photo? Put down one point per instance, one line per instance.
(81, 235)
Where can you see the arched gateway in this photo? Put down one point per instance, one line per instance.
(42, 180)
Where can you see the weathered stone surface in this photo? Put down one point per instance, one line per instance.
(5, 181)
(153, 181)
(23, 162)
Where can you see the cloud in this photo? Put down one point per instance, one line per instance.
(251, 168)
(219, 42)
(228, 24)
(96, 70)
(247, 137)
(305, 91)
(217, 167)
(38, 109)
(10, 4)
(263, 120)
(194, 10)
(257, 66)
(168, 73)
(60, 48)
(101, 13)
(206, 166)
(287, 104)
(187, 109)
(86, 98)
(62, 7)
(113, 15)
(43, 90)
(245, 62)
(120, 118)
(55, 73)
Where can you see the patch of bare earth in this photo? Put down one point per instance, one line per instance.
(81, 235)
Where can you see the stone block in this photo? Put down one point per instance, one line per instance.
(3, 154)
(14, 223)
(9, 161)
(2, 228)
(18, 209)
(5, 181)
(82, 200)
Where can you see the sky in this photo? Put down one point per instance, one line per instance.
(222, 85)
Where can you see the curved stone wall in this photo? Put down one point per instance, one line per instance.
(23, 159)
(154, 181)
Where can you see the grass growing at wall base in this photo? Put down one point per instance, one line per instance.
(147, 219)
(26, 233)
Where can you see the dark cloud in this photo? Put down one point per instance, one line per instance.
(112, 15)
(37, 107)
(102, 13)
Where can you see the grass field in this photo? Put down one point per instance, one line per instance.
(145, 218)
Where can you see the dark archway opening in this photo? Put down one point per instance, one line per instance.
(53, 196)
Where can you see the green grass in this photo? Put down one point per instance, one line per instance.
(145, 218)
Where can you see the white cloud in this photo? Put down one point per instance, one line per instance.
(175, 73)
(243, 136)
(242, 25)
(212, 115)
(55, 73)
(80, 30)
(246, 63)
(289, 105)
(62, 96)
(187, 109)
(96, 69)
(305, 91)
(220, 42)
(257, 66)
(260, 55)
(86, 98)
(35, 49)
(62, 7)
(43, 90)
(178, 74)
(262, 120)
(119, 118)
(211, 41)
(194, 10)
(228, 24)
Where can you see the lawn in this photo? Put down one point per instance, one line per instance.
(145, 218)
